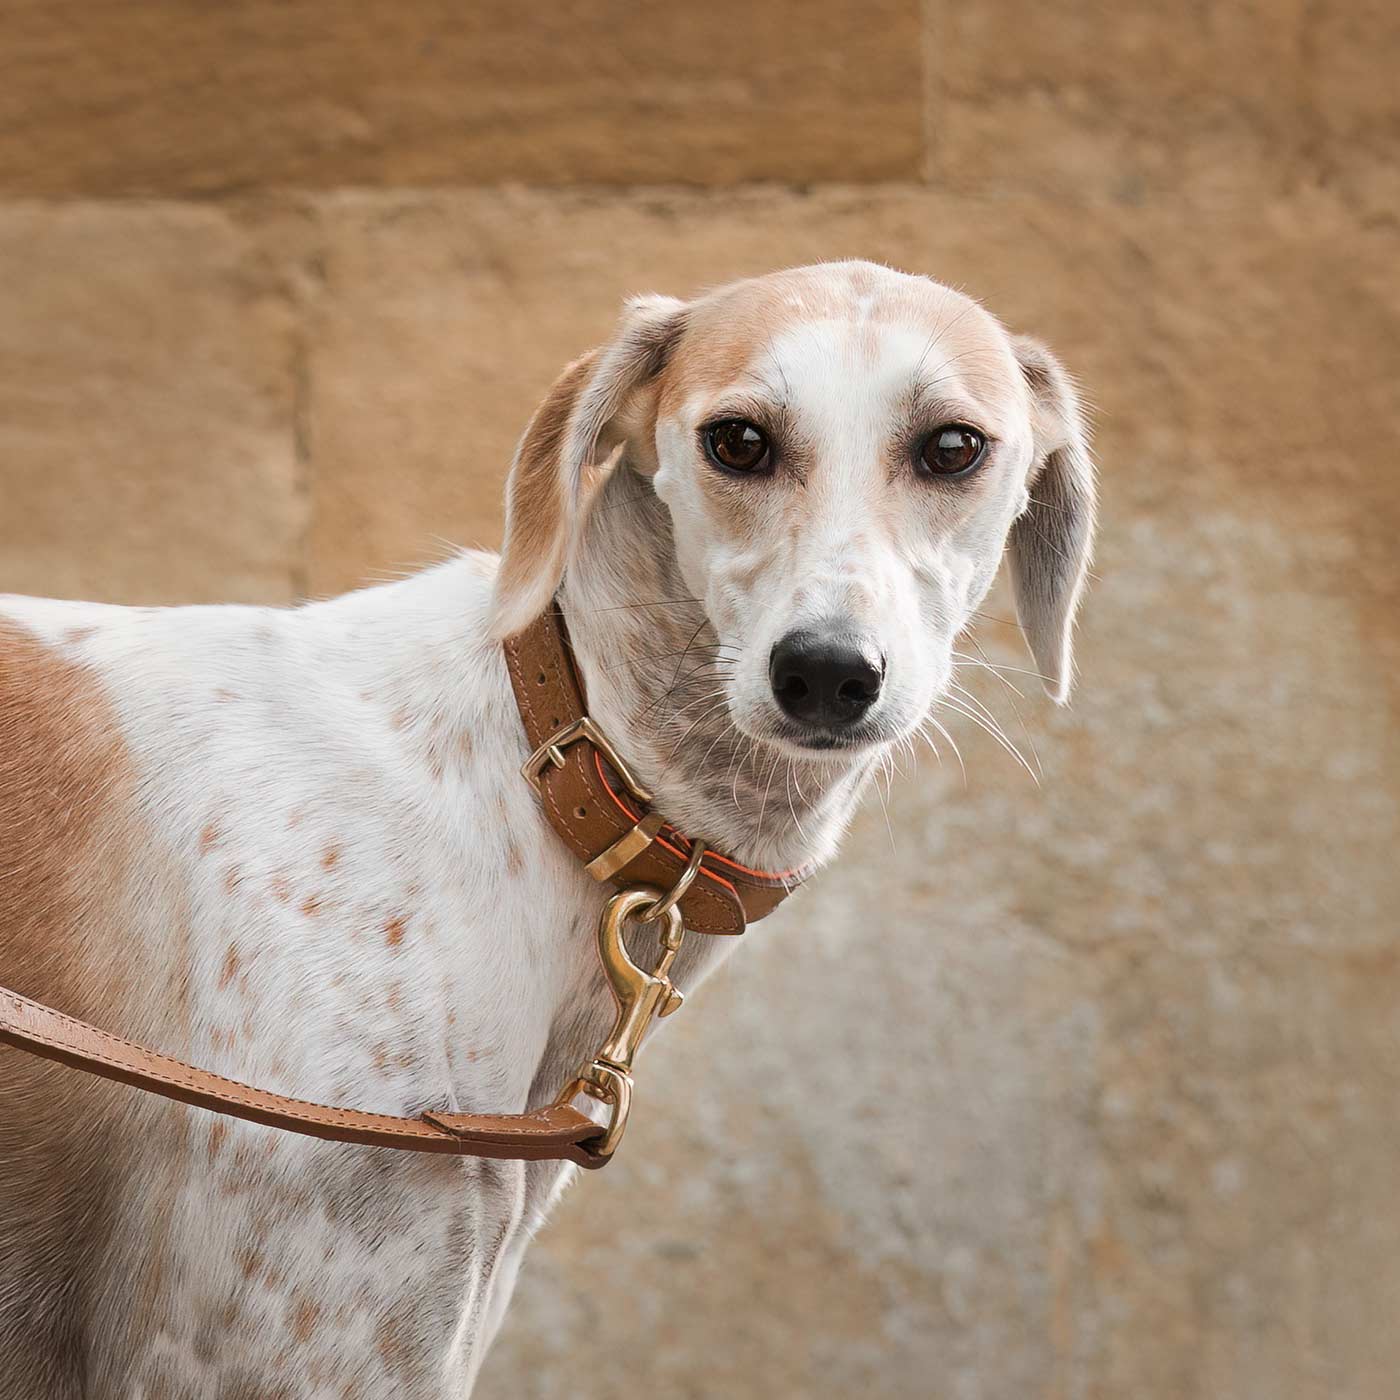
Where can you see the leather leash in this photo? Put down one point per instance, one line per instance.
(663, 879)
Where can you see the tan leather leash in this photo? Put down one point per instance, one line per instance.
(663, 879)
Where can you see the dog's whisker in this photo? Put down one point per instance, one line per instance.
(1015, 693)
(958, 708)
(719, 704)
(657, 603)
(969, 699)
(933, 748)
(686, 652)
(738, 772)
(885, 808)
(792, 810)
(952, 744)
(725, 731)
(763, 805)
(657, 657)
(997, 667)
(1000, 621)
(992, 671)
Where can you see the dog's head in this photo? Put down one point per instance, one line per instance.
(845, 452)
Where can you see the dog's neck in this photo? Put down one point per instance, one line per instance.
(654, 671)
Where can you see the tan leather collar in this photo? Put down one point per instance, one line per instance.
(601, 811)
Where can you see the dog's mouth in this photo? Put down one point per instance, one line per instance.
(820, 740)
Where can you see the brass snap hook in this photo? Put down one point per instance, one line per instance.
(641, 995)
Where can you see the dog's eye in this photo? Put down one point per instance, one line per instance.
(736, 445)
(952, 450)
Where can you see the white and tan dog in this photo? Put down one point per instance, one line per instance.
(295, 846)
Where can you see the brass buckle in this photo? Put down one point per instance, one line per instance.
(552, 752)
(641, 998)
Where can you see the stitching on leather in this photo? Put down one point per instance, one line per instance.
(560, 686)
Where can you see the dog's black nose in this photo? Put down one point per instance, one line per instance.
(826, 678)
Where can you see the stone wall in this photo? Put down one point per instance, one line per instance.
(279, 285)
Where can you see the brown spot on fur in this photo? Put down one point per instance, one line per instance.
(218, 1131)
(311, 906)
(331, 858)
(232, 879)
(66, 787)
(392, 1338)
(394, 932)
(223, 696)
(437, 764)
(399, 719)
(76, 635)
(394, 999)
(208, 839)
(281, 888)
(515, 862)
(229, 970)
(306, 1312)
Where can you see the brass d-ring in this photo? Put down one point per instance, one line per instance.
(676, 893)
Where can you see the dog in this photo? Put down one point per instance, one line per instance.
(295, 847)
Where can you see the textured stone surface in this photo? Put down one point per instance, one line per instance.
(1119, 1052)
(1351, 50)
(1122, 101)
(146, 396)
(180, 96)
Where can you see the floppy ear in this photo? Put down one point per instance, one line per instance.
(560, 461)
(1052, 540)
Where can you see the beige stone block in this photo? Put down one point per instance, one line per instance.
(1088, 99)
(179, 96)
(146, 442)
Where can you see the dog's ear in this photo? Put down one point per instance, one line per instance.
(561, 459)
(1052, 540)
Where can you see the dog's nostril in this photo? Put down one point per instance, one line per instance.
(792, 688)
(858, 691)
